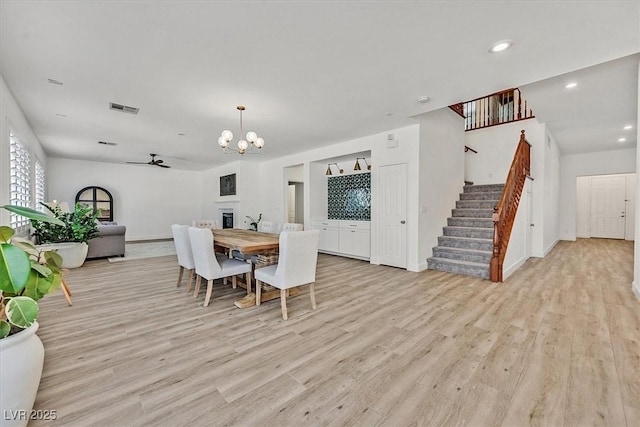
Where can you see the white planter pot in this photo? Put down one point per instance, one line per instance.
(22, 359)
(73, 253)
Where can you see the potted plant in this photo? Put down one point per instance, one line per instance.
(26, 275)
(254, 223)
(69, 239)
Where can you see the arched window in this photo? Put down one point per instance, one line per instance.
(97, 198)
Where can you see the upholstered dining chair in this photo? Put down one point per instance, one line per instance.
(211, 267)
(267, 227)
(296, 266)
(183, 251)
(292, 226)
(206, 223)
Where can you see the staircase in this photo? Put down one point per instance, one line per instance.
(467, 243)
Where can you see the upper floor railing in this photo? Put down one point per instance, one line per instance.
(501, 107)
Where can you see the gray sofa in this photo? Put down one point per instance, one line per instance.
(110, 241)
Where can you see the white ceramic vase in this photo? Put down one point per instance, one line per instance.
(22, 359)
(73, 253)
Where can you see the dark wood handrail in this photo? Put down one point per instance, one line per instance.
(504, 213)
(502, 107)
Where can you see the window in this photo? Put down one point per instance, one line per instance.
(97, 198)
(40, 189)
(20, 183)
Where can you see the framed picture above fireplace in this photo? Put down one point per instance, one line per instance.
(228, 185)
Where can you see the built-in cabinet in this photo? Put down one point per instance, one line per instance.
(348, 238)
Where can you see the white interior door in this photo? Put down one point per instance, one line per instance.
(608, 210)
(392, 209)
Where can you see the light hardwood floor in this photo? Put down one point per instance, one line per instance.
(557, 344)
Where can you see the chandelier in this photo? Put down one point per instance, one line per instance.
(244, 145)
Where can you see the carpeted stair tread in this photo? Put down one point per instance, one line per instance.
(460, 267)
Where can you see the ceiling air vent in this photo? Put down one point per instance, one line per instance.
(113, 144)
(123, 108)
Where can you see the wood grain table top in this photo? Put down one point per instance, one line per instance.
(246, 241)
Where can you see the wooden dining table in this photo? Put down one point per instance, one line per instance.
(251, 243)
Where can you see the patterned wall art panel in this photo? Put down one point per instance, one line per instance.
(350, 197)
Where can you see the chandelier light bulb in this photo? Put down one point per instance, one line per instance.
(252, 136)
(259, 142)
(223, 142)
(227, 134)
(243, 145)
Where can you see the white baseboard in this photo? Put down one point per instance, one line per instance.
(420, 267)
(551, 246)
(509, 271)
(636, 289)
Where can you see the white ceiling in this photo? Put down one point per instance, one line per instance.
(309, 73)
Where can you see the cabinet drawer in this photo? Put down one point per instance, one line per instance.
(358, 225)
(325, 223)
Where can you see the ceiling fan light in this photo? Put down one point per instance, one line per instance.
(227, 134)
(259, 143)
(252, 136)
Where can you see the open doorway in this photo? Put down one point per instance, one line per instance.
(294, 194)
(295, 203)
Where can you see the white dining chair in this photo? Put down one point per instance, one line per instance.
(296, 266)
(206, 223)
(183, 251)
(292, 226)
(211, 267)
(267, 227)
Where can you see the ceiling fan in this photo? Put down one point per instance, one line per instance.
(153, 162)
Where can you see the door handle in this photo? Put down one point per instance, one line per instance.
(403, 222)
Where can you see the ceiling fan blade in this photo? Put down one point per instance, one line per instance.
(138, 163)
(159, 161)
(163, 166)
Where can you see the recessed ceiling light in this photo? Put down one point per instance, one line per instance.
(500, 46)
(571, 85)
(627, 127)
(423, 99)
(622, 139)
(388, 114)
(55, 82)
(61, 115)
(181, 134)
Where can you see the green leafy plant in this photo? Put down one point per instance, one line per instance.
(26, 274)
(254, 223)
(77, 226)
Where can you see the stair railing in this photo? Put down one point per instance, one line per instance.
(504, 213)
(498, 108)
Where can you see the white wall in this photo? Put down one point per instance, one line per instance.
(551, 194)
(636, 264)
(575, 165)
(12, 118)
(146, 199)
(442, 139)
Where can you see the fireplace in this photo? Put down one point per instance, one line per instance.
(227, 219)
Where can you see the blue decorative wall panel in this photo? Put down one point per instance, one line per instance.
(350, 197)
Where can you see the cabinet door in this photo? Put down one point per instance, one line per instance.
(333, 239)
(347, 241)
(328, 239)
(361, 243)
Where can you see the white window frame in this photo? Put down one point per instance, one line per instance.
(20, 181)
(40, 185)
